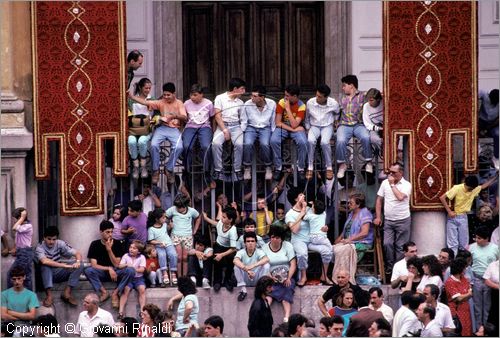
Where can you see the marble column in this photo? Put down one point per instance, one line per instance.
(428, 231)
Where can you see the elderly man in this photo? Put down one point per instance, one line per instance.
(394, 192)
(377, 303)
(426, 315)
(57, 265)
(360, 295)
(92, 316)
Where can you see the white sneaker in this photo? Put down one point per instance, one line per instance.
(247, 175)
(144, 172)
(269, 174)
(285, 320)
(342, 169)
(193, 278)
(369, 167)
(205, 284)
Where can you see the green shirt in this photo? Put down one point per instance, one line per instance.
(22, 301)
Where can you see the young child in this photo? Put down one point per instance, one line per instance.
(158, 236)
(134, 225)
(249, 226)
(24, 251)
(263, 216)
(134, 259)
(224, 247)
(200, 261)
(279, 220)
(117, 218)
(457, 226)
(182, 216)
(153, 270)
(319, 242)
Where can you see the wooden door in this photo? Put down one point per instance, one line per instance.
(269, 43)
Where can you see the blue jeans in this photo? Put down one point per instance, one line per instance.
(24, 259)
(173, 136)
(344, 135)
(138, 146)
(164, 253)
(325, 133)
(300, 139)
(204, 136)
(96, 276)
(57, 275)
(264, 135)
(457, 232)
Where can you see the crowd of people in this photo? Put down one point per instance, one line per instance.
(143, 245)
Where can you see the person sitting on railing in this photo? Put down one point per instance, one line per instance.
(373, 117)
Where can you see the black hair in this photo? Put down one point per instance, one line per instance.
(295, 320)
(51, 231)
(249, 235)
(323, 89)
(337, 320)
(154, 215)
(483, 232)
(407, 245)
(48, 322)
(105, 225)
(236, 82)
(249, 221)
(350, 79)
(434, 290)
(169, 87)
(292, 195)
(261, 90)
(16, 213)
(181, 201)
(277, 231)
(280, 206)
(262, 284)
(215, 322)
(196, 88)
(319, 207)
(406, 297)
(140, 84)
(230, 213)
(376, 288)
(131, 326)
(203, 240)
(134, 55)
(327, 322)
(417, 263)
(104, 330)
(471, 181)
(451, 254)
(17, 271)
(382, 324)
(293, 89)
(457, 266)
(464, 254)
(135, 205)
(431, 311)
(416, 300)
(186, 286)
(493, 95)
(399, 164)
(434, 267)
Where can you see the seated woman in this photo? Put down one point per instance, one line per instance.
(283, 265)
(355, 239)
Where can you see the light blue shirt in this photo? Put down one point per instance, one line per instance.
(303, 234)
(252, 116)
(241, 245)
(316, 222)
(160, 235)
(248, 260)
(183, 223)
(193, 317)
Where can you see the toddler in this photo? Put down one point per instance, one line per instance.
(152, 266)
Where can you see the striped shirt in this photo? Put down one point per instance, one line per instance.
(60, 250)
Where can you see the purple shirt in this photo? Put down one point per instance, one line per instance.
(24, 234)
(134, 262)
(117, 230)
(139, 224)
(352, 108)
(199, 114)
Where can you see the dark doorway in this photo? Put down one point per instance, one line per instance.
(269, 43)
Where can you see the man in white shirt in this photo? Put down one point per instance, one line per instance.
(321, 111)
(443, 314)
(377, 303)
(395, 193)
(426, 315)
(400, 270)
(258, 121)
(227, 116)
(92, 316)
(405, 319)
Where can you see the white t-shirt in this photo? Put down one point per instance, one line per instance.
(405, 321)
(248, 260)
(85, 324)
(386, 310)
(395, 209)
(492, 272)
(228, 239)
(399, 269)
(426, 279)
(494, 236)
(443, 316)
(230, 109)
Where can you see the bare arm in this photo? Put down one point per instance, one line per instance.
(197, 223)
(30, 315)
(6, 315)
(399, 195)
(491, 284)
(322, 307)
(489, 182)
(20, 221)
(218, 119)
(365, 229)
(378, 211)
(209, 220)
(444, 201)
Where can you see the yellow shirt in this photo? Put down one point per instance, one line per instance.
(463, 198)
(262, 229)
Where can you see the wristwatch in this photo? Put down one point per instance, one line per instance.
(393, 185)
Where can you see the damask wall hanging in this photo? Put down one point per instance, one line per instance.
(79, 96)
(430, 90)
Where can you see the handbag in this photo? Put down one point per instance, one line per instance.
(139, 125)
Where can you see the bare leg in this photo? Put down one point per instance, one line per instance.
(123, 300)
(142, 295)
(287, 308)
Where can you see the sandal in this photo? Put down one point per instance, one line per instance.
(115, 301)
(166, 279)
(174, 279)
(104, 297)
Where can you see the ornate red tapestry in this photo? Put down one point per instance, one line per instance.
(430, 90)
(79, 96)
